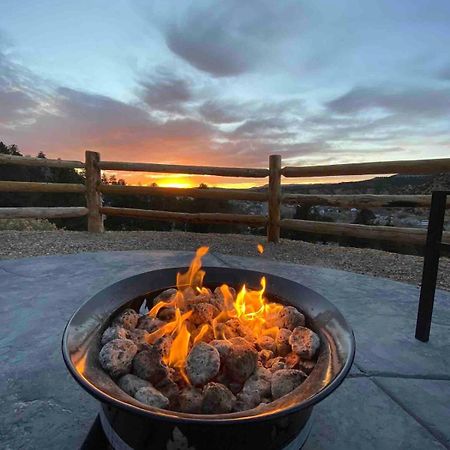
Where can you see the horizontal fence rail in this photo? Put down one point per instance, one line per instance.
(40, 162)
(382, 233)
(29, 186)
(360, 201)
(195, 170)
(211, 193)
(243, 219)
(43, 213)
(419, 167)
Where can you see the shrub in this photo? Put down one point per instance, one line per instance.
(27, 225)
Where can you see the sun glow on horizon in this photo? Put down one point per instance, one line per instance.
(194, 181)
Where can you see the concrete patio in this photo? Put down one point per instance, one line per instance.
(397, 395)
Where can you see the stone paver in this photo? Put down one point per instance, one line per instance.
(359, 416)
(396, 396)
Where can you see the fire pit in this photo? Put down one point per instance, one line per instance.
(133, 419)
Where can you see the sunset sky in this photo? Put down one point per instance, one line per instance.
(226, 83)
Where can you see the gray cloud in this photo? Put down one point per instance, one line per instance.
(413, 101)
(233, 37)
(273, 127)
(17, 100)
(164, 91)
(14, 104)
(222, 112)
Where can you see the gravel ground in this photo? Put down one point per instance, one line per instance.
(406, 268)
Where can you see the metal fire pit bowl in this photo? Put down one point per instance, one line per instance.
(282, 424)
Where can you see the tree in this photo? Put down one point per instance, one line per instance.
(9, 149)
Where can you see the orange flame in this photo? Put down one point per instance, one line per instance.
(194, 276)
(260, 249)
(250, 308)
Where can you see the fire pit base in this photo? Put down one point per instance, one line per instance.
(125, 431)
(281, 424)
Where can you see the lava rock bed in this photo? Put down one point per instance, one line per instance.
(228, 368)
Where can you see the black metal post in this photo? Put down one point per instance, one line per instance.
(430, 265)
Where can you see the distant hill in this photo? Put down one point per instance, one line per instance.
(395, 184)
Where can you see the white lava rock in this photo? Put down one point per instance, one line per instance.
(290, 318)
(163, 344)
(292, 360)
(277, 363)
(138, 336)
(304, 342)
(217, 399)
(240, 362)
(264, 356)
(152, 397)
(282, 341)
(202, 364)
(164, 296)
(190, 400)
(266, 343)
(246, 400)
(169, 388)
(148, 365)
(285, 381)
(127, 319)
(256, 388)
(117, 355)
(149, 323)
(306, 365)
(112, 333)
(131, 384)
(166, 314)
(201, 313)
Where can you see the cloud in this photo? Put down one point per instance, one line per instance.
(14, 104)
(273, 127)
(164, 91)
(17, 100)
(418, 101)
(230, 38)
(220, 112)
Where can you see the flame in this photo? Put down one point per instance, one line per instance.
(260, 249)
(249, 310)
(194, 276)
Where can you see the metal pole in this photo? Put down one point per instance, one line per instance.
(430, 265)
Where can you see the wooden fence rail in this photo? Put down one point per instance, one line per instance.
(40, 162)
(28, 186)
(239, 219)
(360, 201)
(418, 167)
(95, 211)
(196, 170)
(42, 213)
(377, 232)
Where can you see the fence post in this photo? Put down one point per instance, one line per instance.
(93, 197)
(274, 198)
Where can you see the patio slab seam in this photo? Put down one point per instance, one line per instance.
(437, 377)
(410, 413)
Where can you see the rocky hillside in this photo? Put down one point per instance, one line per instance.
(395, 184)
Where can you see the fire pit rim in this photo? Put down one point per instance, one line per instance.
(224, 419)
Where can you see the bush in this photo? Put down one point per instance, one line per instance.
(27, 225)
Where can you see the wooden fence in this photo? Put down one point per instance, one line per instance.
(95, 211)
